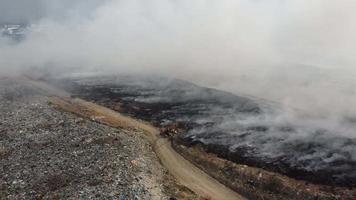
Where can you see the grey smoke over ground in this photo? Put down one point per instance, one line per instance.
(253, 132)
(298, 52)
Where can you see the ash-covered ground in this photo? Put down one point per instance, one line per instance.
(244, 130)
(49, 154)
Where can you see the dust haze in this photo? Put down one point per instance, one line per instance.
(300, 53)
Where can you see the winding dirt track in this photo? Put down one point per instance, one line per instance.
(185, 172)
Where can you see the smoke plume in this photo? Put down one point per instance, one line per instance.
(297, 52)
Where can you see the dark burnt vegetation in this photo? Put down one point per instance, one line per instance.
(218, 121)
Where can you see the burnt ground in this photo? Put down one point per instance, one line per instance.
(49, 154)
(236, 128)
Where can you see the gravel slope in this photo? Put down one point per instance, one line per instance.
(49, 154)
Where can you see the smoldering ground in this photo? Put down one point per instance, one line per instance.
(299, 53)
(247, 131)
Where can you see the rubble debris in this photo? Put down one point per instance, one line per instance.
(171, 130)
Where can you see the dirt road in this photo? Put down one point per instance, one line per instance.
(185, 172)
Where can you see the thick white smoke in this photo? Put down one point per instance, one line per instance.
(297, 52)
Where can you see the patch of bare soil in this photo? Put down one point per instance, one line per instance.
(185, 172)
(256, 183)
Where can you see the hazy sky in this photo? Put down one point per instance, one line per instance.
(20, 11)
(26, 11)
